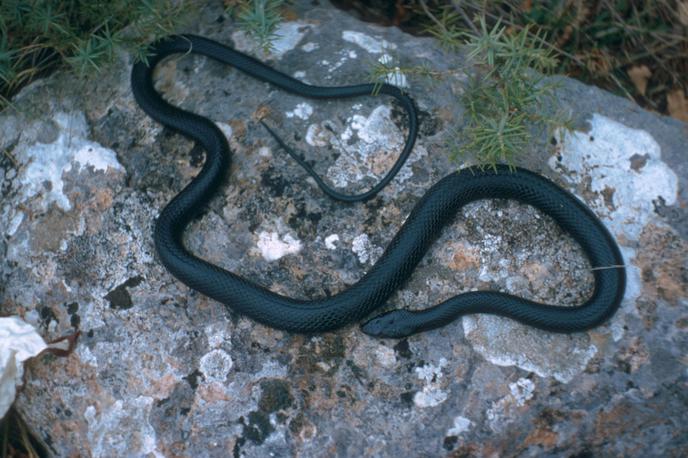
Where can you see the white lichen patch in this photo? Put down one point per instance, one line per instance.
(271, 369)
(374, 152)
(310, 46)
(217, 334)
(502, 412)
(634, 286)
(365, 249)
(378, 127)
(302, 111)
(122, 429)
(46, 163)
(318, 135)
(330, 241)
(489, 244)
(287, 35)
(625, 171)
(432, 393)
(461, 425)
(429, 398)
(522, 391)
(347, 134)
(343, 56)
(385, 356)
(505, 342)
(216, 365)
(374, 45)
(624, 174)
(272, 246)
(368, 146)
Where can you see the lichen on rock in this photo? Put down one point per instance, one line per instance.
(161, 370)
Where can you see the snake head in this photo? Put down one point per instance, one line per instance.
(394, 324)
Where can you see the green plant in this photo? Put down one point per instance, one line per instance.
(387, 71)
(446, 26)
(636, 48)
(507, 91)
(259, 19)
(39, 35)
(506, 95)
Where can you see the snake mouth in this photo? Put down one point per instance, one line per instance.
(394, 324)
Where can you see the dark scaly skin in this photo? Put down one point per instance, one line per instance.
(435, 210)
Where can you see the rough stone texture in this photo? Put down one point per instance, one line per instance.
(161, 370)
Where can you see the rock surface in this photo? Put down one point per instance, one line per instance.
(161, 370)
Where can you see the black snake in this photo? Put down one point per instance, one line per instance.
(435, 210)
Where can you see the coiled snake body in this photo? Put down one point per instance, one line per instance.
(435, 210)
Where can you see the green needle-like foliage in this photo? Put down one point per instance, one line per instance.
(259, 18)
(37, 35)
(506, 94)
(446, 28)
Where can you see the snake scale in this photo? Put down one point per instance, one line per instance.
(435, 210)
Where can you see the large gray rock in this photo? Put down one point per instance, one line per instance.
(161, 370)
